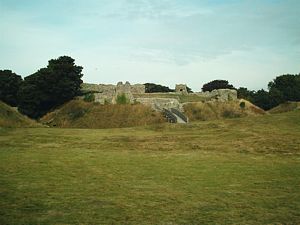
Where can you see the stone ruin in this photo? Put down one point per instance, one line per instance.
(181, 88)
(108, 94)
(222, 95)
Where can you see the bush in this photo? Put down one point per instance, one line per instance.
(90, 97)
(122, 100)
(242, 105)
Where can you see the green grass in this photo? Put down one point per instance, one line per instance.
(237, 171)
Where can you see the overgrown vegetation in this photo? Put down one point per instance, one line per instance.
(218, 110)
(80, 114)
(122, 99)
(238, 171)
(10, 117)
(89, 97)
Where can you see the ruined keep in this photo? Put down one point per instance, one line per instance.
(181, 88)
(108, 93)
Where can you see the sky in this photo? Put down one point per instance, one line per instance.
(247, 42)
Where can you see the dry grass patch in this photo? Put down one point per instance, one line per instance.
(217, 110)
(80, 114)
(10, 117)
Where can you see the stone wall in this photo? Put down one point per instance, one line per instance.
(108, 93)
(138, 89)
(160, 103)
(222, 95)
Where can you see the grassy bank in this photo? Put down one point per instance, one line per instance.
(10, 117)
(242, 171)
(80, 114)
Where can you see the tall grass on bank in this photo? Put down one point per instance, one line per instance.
(80, 114)
(217, 110)
(10, 117)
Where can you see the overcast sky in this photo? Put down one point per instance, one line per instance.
(247, 42)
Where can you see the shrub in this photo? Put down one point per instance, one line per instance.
(242, 105)
(90, 97)
(122, 100)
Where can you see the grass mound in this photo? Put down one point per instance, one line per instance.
(10, 117)
(217, 110)
(80, 114)
(285, 107)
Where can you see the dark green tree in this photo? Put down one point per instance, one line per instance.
(189, 90)
(50, 87)
(9, 86)
(287, 87)
(152, 88)
(217, 84)
(262, 99)
(244, 93)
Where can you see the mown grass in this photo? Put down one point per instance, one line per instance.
(237, 171)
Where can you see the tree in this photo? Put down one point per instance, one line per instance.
(217, 84)
(50, 87)
(287, 86)
(152, 88)
(189, 90)
(262, 99)
(244, 93)
(9, 87)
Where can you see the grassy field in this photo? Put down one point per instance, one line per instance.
(236, 171)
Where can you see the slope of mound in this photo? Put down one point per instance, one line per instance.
(285, 107)
(10, 117)
(217, 110)
(80, 114)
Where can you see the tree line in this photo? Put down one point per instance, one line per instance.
(60, 81)
(44, 90)
(282, 89)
